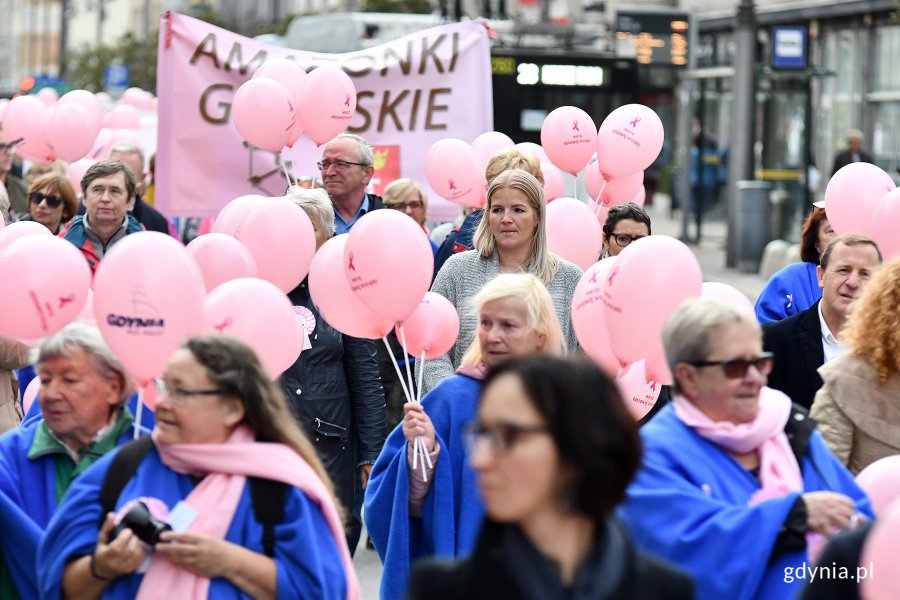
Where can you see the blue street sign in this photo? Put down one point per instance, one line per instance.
(789, 47)
(116, 76)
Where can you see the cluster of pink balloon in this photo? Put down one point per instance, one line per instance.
(75, 126)
(281, 102)
(862, 198)
(881, 482)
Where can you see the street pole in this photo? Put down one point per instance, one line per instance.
(740, 157)
(63, 37)
(683, 137)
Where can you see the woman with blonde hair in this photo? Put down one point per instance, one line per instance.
(858, 407)
(423, 511)
(512, 238)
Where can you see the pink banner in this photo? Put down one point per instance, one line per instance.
(411, 93)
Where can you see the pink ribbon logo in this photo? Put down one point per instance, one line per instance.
(350, 266)
(652, 386)
(347, 101)
(228, 322)
(575, 126)
(612, 275)
(452, 185)
(635, 122)
(63, 300)
(593, 278)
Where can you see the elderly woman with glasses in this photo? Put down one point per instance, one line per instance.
(732, 465)
(624, 224)
(553, 448)
(52, 201)
(250, 508)
(406, 196)
(411, 513)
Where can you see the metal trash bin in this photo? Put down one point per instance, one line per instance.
(753, 212)
(782, 214)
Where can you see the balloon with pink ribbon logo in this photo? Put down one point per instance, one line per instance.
(292, 76)
(26, 118)
(454, 173)
(258, 313)
(554, 184)
(639, 394)
(652, 276)
(71, 131)
(489, 143)
(148, 298)
(329, 102)
(50, 285)
(221, 258)
(569, 137)
(886, 224)
(432, 329)
(629, 140)
(852, 194)
(573, 232)
(589, 318)
(264, 114)
(378, 243)
(336, 301)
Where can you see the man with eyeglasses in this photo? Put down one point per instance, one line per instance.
(805, 341)
(347, 166)
(15, 187)
(107, 188)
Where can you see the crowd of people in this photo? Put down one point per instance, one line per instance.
(533, 479)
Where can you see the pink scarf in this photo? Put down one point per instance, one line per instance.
(478, 372)
(779, 473)
(216, 498)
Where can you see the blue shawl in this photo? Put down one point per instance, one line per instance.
(791, 290)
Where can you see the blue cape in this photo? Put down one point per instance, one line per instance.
(452, 511)
(791, 290)
(307, 559)
(30, 486)
(688, 505)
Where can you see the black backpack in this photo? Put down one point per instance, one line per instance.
(267, 495)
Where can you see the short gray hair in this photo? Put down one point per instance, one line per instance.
(365, 150)
(314, 202)
(690, 332)
(124, 148)
(87, 338)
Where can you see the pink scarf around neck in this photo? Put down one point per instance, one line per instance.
(779, 473)
(478, 372)
(216, 498)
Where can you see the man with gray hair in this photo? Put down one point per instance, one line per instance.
(853, 153)
(82, 395)
(107, 188)
(347, 166)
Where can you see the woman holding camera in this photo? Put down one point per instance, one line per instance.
(225, 457)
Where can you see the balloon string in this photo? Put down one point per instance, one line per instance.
(421, 375)
(284, 169)
(409, 377)
(140, 409)
(420, 441)
(406, 392)
(597, 202)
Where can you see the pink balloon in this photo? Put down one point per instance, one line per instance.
(129, 137)
(573, 232)
(554, 184)
(281, 239)
(881, 579)
(881, 482)
(292, 76)
(640, 395)
(221, 258)
(336, 301)
(329, 102)
(2, 221)
(19, 229)
(488, 144)
(620, 190)
(886, 224)
(629, 140)
(30, 393)
(651, 278)
(593, 180)
(657, 369)
(453, 172)
(87, 100)
(48, 96)
(102, 144)
(87, 311)
(3, 103)
(263, 113)
(27, 117)
(589, 318)
(852, 195)
(77, 170)
(640, 197)
(432, 329)
(148, 297)
(569, 137)
(379, 243)
(135, 97)
(727, 293)
(71, 131)
(123, 117)
(534, 149)
(50, 284)
(232, 214)
(258, 313)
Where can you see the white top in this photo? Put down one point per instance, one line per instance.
(830, 344)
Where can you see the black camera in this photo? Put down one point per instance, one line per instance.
(144, 525)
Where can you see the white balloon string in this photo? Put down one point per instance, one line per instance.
(599, 199)
(409, 376)
(421, 375)
(140, 409)
(406, 392)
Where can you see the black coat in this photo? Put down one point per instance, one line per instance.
(842, 159)
(485, 575)
(797, 344)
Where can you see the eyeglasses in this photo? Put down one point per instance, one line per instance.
(339, 165)
(52, 201)
(11, 145)
(736, 368)
(501, 437)
(623, 239)
(414, 205)
(179, 395)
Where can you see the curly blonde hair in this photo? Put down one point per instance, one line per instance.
(871, 331)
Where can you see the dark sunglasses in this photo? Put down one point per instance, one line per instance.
(735, 368)
(52, 201)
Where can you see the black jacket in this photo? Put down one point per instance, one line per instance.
(842, 159)
(797, 344)
(486, 574)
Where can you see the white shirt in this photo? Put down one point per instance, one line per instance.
(830, 344)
